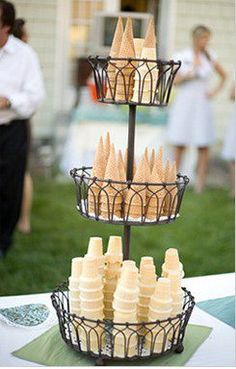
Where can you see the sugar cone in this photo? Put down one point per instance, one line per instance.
(150, 37)
(152, 159)
(173, 189)
(138, 45)
(116, 42)
(114, 53)
(127, 49)
(76, 267)
(136, 195)
(99, 162)
(107, 147)
(159, 163)
(155, 195)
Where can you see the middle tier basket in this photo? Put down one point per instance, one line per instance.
(127, 203)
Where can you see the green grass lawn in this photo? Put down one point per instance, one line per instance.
(204, 236)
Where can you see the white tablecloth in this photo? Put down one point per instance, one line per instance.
(217, 350)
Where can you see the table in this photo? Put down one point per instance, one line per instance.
(217, 350)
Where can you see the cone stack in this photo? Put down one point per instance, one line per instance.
(172, 263)
(111, 198)
(155, 194)
(135, 200)
(98, 171)
(91, 300)
(125, 310)
(159, 309)
(125, 73)
(114, 53)
(95, 249)
(114, 257)
(138, 46)
(74, 293)
(147, 73)
(177, 295)
(147, 284)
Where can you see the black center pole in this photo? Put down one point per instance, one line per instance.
(129, 173)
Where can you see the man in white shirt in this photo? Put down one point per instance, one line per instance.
(21, 91)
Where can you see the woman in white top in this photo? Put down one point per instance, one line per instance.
(191, 120)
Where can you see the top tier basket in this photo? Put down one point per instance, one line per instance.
(133, 81)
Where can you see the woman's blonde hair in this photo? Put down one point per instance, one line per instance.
(199, 30)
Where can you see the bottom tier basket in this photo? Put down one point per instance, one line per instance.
(109, 340)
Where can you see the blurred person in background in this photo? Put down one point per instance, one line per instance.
(191, 117)
(21, 91)
(24, 226)
(228, 152)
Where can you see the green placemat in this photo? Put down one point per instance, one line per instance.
(49, 349)
(222, 309)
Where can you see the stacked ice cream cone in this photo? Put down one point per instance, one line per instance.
(114, 53)
(147, 73)
(172, 263)
(91, 304)
(98, 171)
(155, 194)
(159, 309)
(125, 310)
(147, 284)
(111, 198)
(95, 249)
(114, 257)
(177, 295)
(135, 200)
(125, 72)
(74, 293)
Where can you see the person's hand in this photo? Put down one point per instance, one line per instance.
(4, 103)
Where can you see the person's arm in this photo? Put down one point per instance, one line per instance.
(221, 73)
(26, 102)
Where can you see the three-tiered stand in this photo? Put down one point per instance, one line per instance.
(171, 330)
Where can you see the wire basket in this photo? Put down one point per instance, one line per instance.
(133, 81)
(127, 203)
(106, 339)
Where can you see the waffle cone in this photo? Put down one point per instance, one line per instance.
(138, 45)
(99, 162)
(150, 37)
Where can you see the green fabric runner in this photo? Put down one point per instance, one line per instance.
(49, 349)
(222, 309)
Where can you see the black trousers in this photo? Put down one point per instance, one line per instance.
(13, 156)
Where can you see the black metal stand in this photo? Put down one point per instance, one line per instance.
(130, 166)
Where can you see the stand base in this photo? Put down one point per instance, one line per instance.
(100, 362)
(179, 349)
